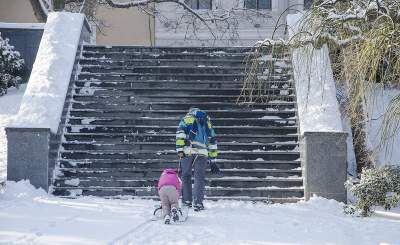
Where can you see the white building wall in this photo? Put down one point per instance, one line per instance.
(251, 27)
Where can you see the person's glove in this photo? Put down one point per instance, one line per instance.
(181, 154)
(213, 166)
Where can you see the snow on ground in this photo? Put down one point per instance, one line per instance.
(377, 104)
(9, 106)
(30, 216)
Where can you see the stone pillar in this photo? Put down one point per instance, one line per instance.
(28, 156)
(324, 161)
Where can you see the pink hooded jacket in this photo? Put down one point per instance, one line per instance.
(169, 177)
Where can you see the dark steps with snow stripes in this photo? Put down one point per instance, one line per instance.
(127, 102)
(135, 137)
(152, 164)
(265, 193)
(175, 91)
(231, 182)
(173, 113)
(173, 121)
(171, 76)
(178, 98)
(179, 106)
(179, 62)
(155, 173)
(172, 129)
(171, 154)
(176, 69)
(224, 146)
(117, 84)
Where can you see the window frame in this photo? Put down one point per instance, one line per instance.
(258, 5)
(197, 5)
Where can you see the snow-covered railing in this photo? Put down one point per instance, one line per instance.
(37, 124)
(323, 141)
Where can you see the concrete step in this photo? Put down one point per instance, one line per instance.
(180, 98)
(281, 130)
(176, 113)
(267, 193)
(155, 146)
(99, 48)
(200, 69)
(155, 173)
(108, 105)
(116, 84)
(154, 164)
(178, 91)
(174, 121)
(171, 154)
(232, 182)
(135, 137)
(161, 56)
(284, 62)
(173, 76)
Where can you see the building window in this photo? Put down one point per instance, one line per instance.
(199, 4)
(258, 4)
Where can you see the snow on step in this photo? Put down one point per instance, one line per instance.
(127, 102)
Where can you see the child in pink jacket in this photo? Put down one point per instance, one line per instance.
(169, 187)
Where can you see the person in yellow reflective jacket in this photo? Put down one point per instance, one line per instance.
(196, 146)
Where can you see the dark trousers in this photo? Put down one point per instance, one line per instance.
(199, 163)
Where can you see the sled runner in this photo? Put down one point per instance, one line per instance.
(182, 212)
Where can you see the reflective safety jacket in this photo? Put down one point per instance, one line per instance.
(194, 137)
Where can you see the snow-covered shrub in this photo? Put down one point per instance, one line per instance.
(10, 66)
(377, 187)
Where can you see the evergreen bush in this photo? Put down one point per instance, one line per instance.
(377, 187)
(10, 66)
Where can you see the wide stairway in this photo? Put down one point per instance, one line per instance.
(125, 107)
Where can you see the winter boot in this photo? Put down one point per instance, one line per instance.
(187, 204)
(167, 219)
(198, 207)
(175, 216)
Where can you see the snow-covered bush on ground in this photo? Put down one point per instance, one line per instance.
(377, 187)
(10, 66)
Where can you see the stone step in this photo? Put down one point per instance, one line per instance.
(154, 164)
(176, 113)
(135, 137)
(155, 146)
(171, 154)
(113, 69)
(177, 91)
(99, 48)
(155, 173)
(268, 193)
(284, 62)
(209, 198)
(116, 84)
(170, 76)
(151, 129)
(182, 98)
(232, 182)
(161, 56)
(109, 105)
(174, 121)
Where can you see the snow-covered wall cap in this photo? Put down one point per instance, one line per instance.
(43, 101)
(318, 108)
(29, 26)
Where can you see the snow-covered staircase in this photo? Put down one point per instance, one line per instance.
(126, 104)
